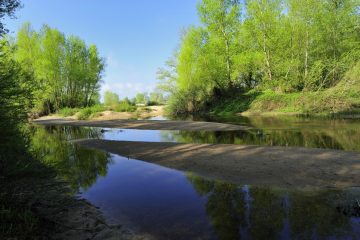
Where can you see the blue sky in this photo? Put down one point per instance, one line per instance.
(135, 37)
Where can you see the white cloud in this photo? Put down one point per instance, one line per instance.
(126, 80)
(112, 62)
(128, 89)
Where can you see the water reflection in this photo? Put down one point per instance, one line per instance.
(346, 139)
(169, 204)
(296, 131)
(79, 166)
(269, 131)
(271, 213)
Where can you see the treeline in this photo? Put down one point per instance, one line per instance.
(284, 46)
(152, 98)
(66, 72)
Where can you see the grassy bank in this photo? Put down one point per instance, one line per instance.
(342, 99)
(323, 103)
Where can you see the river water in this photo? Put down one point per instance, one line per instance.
(170, 204)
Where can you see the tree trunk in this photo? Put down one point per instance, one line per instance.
(267, 61)
(228, 64)
(306, 61)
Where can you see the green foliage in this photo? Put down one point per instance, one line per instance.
(66, 112)
(79, 166)
(88, 112)
(279, 47)
(67, 71)
(330, 102)
(111, 99)
(156, 98)
(167, 75)
(141, 98)
(15, 101)
(16, 216)
(85, 113)
(125, 106)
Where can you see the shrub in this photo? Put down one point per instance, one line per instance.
(97, 108)
(66, 112)
(87, 112)
(124, 106)
(84, 114)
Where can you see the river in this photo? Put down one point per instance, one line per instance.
(170, 204)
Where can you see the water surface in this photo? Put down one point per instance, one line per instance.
(270, 131)
(170, 204)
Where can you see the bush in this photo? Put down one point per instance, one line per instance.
(87, 112)
(186, 102)
(84, 114)
(66, 112)
(124, 106)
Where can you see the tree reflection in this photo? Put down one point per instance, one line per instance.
(267, 213)
(315, 213)
(225, 205)
(270, 213)
(284, 131)
(77, 165)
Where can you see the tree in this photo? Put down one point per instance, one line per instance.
(167, 75)
(141, 98)
(264, 18)
(7, 8)
(222, 19)
(156, 98)
(15, 101)
(110, 98)
(67, 72)
(277, 45)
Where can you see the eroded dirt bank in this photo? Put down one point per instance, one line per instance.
(256, 165)
(146, 124)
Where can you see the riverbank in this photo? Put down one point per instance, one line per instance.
(39, 206)
(145, 124)
(335, 102)
(99, 112)
(253, 165)
(54, 213)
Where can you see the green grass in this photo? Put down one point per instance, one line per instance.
(330, 102)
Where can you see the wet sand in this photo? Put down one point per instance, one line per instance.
(145, 124)
(254, 165)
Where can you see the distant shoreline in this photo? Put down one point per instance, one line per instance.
(146, 124)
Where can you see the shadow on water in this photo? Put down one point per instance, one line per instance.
(170, 204)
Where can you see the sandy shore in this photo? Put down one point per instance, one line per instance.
(282, 166)
(145, 124)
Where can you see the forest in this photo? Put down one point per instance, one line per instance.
(267, 55)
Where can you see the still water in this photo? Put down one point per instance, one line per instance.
(170, 204)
